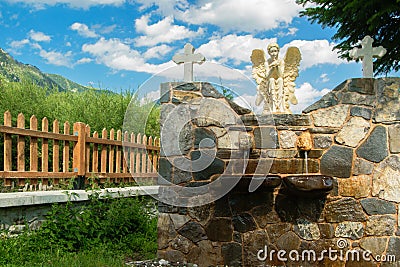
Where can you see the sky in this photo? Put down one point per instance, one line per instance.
(129, 44)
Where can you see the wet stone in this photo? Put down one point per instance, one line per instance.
(376, 206)
(345, 209)
(337, 161)
(243, 223)
(309, 185)
(220, 229)
(375, 147)
(193, 231)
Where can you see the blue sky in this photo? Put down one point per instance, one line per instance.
(120, 44)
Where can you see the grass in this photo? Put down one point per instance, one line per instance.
(100, 233)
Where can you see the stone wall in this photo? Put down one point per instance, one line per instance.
(349, 201)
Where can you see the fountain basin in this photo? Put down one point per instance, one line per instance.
(308, 185)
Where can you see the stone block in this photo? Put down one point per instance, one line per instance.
(164, 170)
(394, 138)
(326, 101)
(289, 241)
(344, 209)
(307, 230)
(376, 206)
(362, 86)
(209, 91)
(181, 244)
(288, 139)
(330, 117)
(353, 132)
(204, 165)
(253, 242)
(266, 137)
(204, 138)
(220, 229)
(294, 166)
(358, 99)
(243, 223)
(322, 141)
(386, 179)
(362, 166)
(362, 112)
(292, 120)
(193, 231)
(376, 245)
(352, 230)
(326, 230)
(165, 92)
(337, 161)
(232, 254)
(381, 225)
(393, 249)
(185, 97)
(213, 112)
(374, 148)
(229, 140)
(355, 186)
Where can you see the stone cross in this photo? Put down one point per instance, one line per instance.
(188, 58)
(367, 53)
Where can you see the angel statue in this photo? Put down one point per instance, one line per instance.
(275, 78)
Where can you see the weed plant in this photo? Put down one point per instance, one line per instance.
(102, 232)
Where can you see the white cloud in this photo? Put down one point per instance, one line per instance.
(119, 56)
(289, 32)
(324, 77)
(19, 44)
(243, 15)
(84, 60)
(157, 51)
(57, 58)
(307, 95)
(85, 4)
(315, 52)
(39, 36)
(163, 31)
(83, 30)
(232, 48)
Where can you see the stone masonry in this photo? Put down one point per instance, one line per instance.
(349, 202)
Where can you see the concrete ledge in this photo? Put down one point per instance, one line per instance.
(49, 197)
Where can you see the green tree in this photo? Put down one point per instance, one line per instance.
(354, 19)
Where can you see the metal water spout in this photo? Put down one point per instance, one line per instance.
(304, 143)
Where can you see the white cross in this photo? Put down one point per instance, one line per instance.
(188, 58)
(367, 53)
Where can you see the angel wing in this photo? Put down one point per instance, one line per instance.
(291, 71)
(259, 74)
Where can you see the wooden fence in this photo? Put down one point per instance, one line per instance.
(39, 156)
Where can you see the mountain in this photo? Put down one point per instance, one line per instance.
(13, 71)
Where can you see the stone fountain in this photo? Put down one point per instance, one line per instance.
(324, 179)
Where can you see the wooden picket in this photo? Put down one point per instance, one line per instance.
(125, 157)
